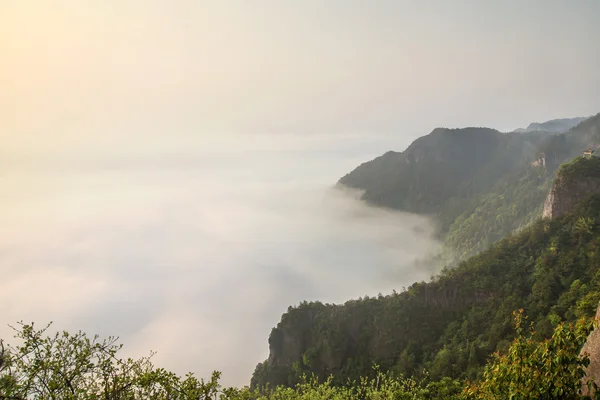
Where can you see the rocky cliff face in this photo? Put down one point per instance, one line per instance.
(574, 182)
(592, 348)
(342, 340)
(291, 337)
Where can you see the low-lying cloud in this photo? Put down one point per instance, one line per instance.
(192, 255)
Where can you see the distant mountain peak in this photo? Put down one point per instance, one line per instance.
(559, 125)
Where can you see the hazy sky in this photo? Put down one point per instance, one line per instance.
(164, 164)
(400, 67)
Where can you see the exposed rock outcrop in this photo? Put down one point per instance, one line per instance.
(592, 348)
(540, 162)
(575, 181)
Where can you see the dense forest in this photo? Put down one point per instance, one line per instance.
(449, 327)
(478, 183)
(75, 366)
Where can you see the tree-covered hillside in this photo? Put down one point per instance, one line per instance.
(437, 173)
(75, 366)
(478, 183)
(453, 323)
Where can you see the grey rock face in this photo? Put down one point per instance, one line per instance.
(566, 193)
(592, 348)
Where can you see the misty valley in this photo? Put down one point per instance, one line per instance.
(495, 235)
(299, 200)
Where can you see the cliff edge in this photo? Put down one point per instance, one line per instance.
(592, 348)
(575, 181)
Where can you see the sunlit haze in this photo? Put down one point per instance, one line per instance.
(166, 165)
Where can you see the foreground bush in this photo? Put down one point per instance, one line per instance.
(548, 369)
(75, 366)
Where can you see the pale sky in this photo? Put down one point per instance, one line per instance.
(164, 164)
(400, 67)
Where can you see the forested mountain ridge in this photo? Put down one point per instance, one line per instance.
(453, 323)
(439, 171)
(478, 183)
(559, 125)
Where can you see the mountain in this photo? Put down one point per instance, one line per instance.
(575, 181)
(560, 125)
(451, 324)
(437, 173)
(469, 158)
(517, 199)
(478, 183)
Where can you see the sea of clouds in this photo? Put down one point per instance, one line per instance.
(194, 248)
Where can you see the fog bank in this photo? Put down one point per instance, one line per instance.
(193, 250)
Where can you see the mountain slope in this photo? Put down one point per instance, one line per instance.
(438, 172)
(451, 324)
(517, 198)
(478, 183)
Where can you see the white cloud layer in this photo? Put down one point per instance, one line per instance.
(194, 257)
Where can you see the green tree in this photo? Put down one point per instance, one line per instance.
(74, 366)
(547, 369)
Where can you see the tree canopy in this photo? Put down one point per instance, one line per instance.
(75, 366)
